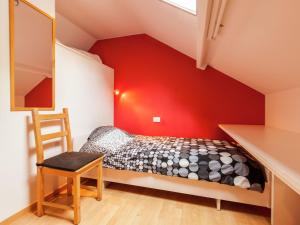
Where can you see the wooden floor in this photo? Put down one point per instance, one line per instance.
(128, 205)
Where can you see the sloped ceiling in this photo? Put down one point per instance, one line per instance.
(259, 44)
(115, 18)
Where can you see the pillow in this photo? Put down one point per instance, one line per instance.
(100, 131)
(106, 139)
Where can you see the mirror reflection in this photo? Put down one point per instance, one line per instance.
(33, 42)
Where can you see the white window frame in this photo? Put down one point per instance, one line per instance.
(173, 3)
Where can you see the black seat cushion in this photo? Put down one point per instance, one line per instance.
(70, 161)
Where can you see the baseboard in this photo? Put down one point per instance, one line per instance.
(32, 207)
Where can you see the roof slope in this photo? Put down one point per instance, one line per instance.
(115, 18)
(259, 44)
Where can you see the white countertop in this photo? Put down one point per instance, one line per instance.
(277, 150)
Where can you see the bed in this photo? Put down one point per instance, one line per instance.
(202, 167)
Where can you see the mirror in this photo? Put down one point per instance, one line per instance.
(32, 46)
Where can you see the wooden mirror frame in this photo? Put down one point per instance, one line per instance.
(13, 106)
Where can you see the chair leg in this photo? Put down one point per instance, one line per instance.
(40, 191)
(99, 182)
(69, 186)
(76, 199)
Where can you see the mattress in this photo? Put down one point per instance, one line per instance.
(189, 158)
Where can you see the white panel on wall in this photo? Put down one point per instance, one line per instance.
(86, 87)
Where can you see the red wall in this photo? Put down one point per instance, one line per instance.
(41, 95)
(156, 80)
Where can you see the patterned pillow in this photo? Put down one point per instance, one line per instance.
(106, 139)
(100, 131)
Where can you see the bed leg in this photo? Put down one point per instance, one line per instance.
(218, 201)
(106, 184)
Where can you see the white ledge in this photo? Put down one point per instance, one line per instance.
(277, 150)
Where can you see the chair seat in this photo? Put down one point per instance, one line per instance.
(70, 161)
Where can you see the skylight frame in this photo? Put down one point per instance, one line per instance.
(176, 4)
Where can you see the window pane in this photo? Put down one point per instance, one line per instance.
(189, 5)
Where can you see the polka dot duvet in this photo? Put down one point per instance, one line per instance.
(191, 158)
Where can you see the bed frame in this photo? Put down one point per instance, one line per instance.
(186, 186)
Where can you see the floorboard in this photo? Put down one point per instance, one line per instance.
(128, 205)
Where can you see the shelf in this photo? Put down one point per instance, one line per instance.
(277, 150)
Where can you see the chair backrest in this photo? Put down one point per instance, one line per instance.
(40, 138)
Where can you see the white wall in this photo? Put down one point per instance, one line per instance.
(283, 110)
(72, 35)
(82, 85)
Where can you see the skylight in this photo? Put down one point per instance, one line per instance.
(187, 5)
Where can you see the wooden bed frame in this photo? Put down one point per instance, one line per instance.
(186, 186)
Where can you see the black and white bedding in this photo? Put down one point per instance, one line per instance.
(192, 158)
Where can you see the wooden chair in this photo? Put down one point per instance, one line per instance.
(68, 164)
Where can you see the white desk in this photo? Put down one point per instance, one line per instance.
(279, 152)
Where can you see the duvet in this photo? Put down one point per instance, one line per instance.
(189, 158)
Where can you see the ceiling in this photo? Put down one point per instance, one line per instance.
(115, 18)
(258, 45)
